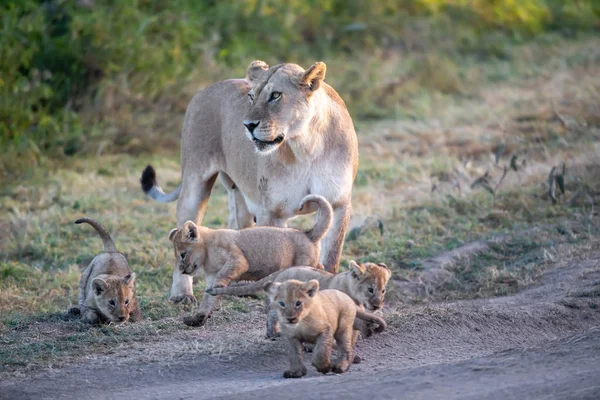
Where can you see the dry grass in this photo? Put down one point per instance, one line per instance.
(415, 180)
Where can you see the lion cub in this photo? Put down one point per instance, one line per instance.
(107, 285)
(364, 283)
(308, 315)
(226, 255)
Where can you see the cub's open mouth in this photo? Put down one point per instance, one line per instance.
(264, 143)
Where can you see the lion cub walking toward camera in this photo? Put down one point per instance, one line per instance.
(307, 315)
(107, 285)
(226, 255)
(365, 284)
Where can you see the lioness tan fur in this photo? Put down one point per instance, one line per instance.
(107, 285)
(364, 283)
(226, 255)
(273, 137)
(307, 315)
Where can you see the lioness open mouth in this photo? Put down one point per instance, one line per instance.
(261, 144)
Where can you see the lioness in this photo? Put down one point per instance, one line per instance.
(274, 137)
(364, 283)
(308, 315)
(226, 255)
(107, 285)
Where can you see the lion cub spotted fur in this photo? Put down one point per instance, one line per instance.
(307, 315)
(107, 285)
(226, 255)
(364, 283)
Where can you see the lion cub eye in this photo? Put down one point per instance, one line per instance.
(370, 290)
(182, 255)
(275, 96)
(383, 291)
(282, 304)
(126, 302)
(298, 303)
(251, 97)
(112, 303)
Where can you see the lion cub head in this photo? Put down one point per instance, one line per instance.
(189, 248)
(292, 299)
(114, 295)
(368, 283)
(281, 102)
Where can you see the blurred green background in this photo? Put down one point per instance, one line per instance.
(105, 76)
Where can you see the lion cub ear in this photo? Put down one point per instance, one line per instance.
(255, 70)
(388, 272)
(172, 233)
(357, 270)
(313, 76)
(190, 232)
(129, 280)
(272, 287)
(311, 287)
(99, 286)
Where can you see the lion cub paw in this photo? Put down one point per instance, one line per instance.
(324, 368)
(340, 368)
(195, 320)
(295, 373)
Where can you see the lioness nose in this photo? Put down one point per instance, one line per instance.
(251, 125)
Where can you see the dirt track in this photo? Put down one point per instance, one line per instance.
(541, 343)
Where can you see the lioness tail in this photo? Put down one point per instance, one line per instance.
(365, 316)
(109, 245)
(151, 187)
(324, 215)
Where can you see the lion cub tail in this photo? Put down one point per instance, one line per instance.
(109, 245)
(365, 316)
(324, 215)
(243, 290)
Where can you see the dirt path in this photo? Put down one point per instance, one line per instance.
(541, 343)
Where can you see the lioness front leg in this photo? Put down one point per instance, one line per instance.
(191, 206)
(322, 352)
(297, 368)
(205, 308)
(332, 243)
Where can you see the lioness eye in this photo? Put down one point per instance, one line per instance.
(275, 96)
(182, 255)
(112, 303)
(282, 304)
(298, 303)
(370, 290)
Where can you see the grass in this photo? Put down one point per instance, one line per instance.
(415, 179)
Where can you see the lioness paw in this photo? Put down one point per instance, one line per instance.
(183, 299)
(195, 320)
(295, 373)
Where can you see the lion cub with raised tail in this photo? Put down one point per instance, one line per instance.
(365, 284)
(307, 315)
(107, 285)
(225, 255)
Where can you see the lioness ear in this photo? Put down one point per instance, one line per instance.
(130, 280)
(255, 70)
(357, 270)
(190, 232)
(388, 272)
(99, 286)
(311, 287)
(313, 76)
(172, 234)
(271, 288)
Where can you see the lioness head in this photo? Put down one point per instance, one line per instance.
(114, 295)
(292, 299)
(368, 284)
(281, 103)
(189, 248)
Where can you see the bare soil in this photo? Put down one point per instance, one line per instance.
(543, 342)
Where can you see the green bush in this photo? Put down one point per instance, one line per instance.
(61, 58)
